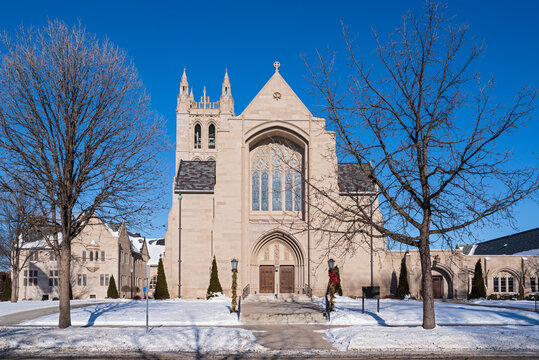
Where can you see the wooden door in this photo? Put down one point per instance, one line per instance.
(286, 278)
(267, 279)
(437, 287)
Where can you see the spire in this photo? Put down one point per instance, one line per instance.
(191, 95)
(184, 85)
(226, 85)
(226, 103)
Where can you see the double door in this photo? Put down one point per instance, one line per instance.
(268, 275)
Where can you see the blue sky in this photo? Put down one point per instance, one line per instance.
(163, 37)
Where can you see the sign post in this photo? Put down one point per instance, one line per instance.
(146, 291)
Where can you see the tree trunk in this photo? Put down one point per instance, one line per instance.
(429, 320)
(65, 276)
(14, 285)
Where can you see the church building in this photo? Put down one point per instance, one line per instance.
(239, 192)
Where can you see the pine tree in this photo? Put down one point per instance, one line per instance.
(338, 287)
(478, 287)
(6, 292)
(214, 289)
(161, 288)
(112, 291)
(403, 289)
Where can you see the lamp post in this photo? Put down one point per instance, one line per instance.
(371, 200)
(234, 264)
(331, 265)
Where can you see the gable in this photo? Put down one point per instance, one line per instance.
(276, 101)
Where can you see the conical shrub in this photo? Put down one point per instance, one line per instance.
(112, 291)
(478, 287)
(403, 288)
(161, 288)
(214, 289)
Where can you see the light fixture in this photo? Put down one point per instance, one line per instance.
(234, 264)
(331, 264)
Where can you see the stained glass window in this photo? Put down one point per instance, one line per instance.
(276, 191)
(283, 161)
(264, 190)
(256, 190)
(288, 191)
(297, 192)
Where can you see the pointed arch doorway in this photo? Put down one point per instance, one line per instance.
(277, 264)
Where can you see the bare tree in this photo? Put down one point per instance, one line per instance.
(435, 142)
(77, 134)
(16, 236)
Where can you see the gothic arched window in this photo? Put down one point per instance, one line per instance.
(198, 136)
(211, 136)
(276, 177)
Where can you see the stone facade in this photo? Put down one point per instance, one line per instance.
(235, 195)
(101, 251)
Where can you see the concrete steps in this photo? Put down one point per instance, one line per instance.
(281, 312)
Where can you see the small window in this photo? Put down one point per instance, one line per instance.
(84, 279)
(52, 256)
(96, 256)
(91, 256)
(84, 256)
(102, 256)
(532, 284)
(104, 280)
(510, 283)
(92, 296)
(198, 136)
(153, 282)
(30, 277)
(34, 256)
(211, 136)
(496, 284)
(504, 285)
(53, 278)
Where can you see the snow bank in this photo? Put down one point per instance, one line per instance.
(192, 339)
(410, 312)
(174, 312)
(455, 338)
(7, 307)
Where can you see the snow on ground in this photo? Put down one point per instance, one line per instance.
(409, 312)
(523, 304)
(7, 307)
(193, 339)
(451, 338)
(174, 312)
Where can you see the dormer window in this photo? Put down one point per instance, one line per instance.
(198, 136)
(211, 137)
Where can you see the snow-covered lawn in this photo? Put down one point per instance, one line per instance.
(523, 304)
(450, 339)
(194, 339)
(215, 311)
(409, 312)
(7, 307)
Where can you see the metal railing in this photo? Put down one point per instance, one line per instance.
(327, 312)
(246, 291)
(239, 307)
(308, 291)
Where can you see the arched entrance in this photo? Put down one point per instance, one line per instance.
(441, 288)
(277, 264)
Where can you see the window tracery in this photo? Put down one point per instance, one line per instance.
(276, 177)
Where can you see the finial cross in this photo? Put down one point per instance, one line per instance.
(276, 65)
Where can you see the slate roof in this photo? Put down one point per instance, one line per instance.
(195, 176)
(199, 176)
(353, 178)
(509, 245)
